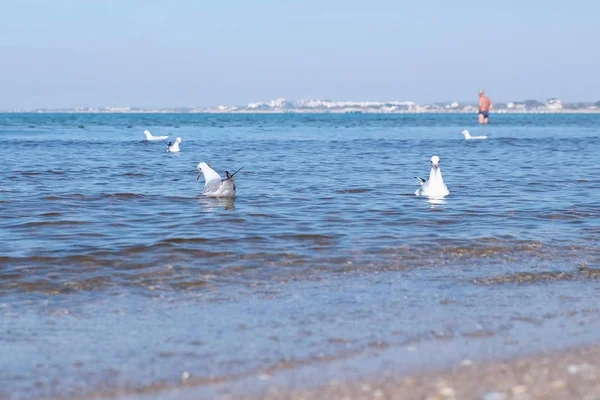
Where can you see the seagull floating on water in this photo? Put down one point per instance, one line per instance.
(469, 137)
(434, 186)
(149, 136)
(173, 147)
(214, 185)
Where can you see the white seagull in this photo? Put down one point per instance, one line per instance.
(469, 137)
(434, 186)
(149, 136)
(214, 185)
(173, 147)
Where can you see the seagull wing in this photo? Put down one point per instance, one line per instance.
(212, 186)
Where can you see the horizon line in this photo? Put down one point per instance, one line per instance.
(127, 108)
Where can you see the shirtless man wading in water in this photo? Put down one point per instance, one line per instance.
(485, 105)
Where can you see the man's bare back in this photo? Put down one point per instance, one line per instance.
(485, 105)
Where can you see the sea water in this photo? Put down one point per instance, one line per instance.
(117, 277)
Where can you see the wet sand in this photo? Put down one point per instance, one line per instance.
(569, 374)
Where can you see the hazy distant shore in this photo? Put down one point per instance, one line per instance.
(175, 111)
(285, 106)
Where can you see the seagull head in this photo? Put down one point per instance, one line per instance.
(202, 167)
(178, 140)
(435, 162)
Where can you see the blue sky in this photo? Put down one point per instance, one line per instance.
(69, 53)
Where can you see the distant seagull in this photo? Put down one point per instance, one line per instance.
(469, 137)
(173, 147)
(214, 185)
(149, 136)
(434, 186)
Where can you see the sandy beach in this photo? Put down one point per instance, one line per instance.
(569, 374)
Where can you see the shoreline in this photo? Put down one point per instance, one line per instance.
(572, 372)
(569, 373)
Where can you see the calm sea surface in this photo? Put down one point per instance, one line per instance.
(118, 279)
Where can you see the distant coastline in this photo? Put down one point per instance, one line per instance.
(166, 111)
(283, 106)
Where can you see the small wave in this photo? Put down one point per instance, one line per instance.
(54, 286)
(236, 220)
(124, 195)
(51, 214)
(184, 240)
(308, 237)
(567, 215)
(189, 284)
(29, 173)
(535, 277)
(355, 190)
(262, 215)
(34, 224)
(70, 196)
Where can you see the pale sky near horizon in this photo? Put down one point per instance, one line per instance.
(150, 53)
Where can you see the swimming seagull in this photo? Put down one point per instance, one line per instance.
(469, 137)
(149, 136)
(214, 185)
(173, 147)
(434, 186)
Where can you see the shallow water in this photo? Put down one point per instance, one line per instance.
(117, 276)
